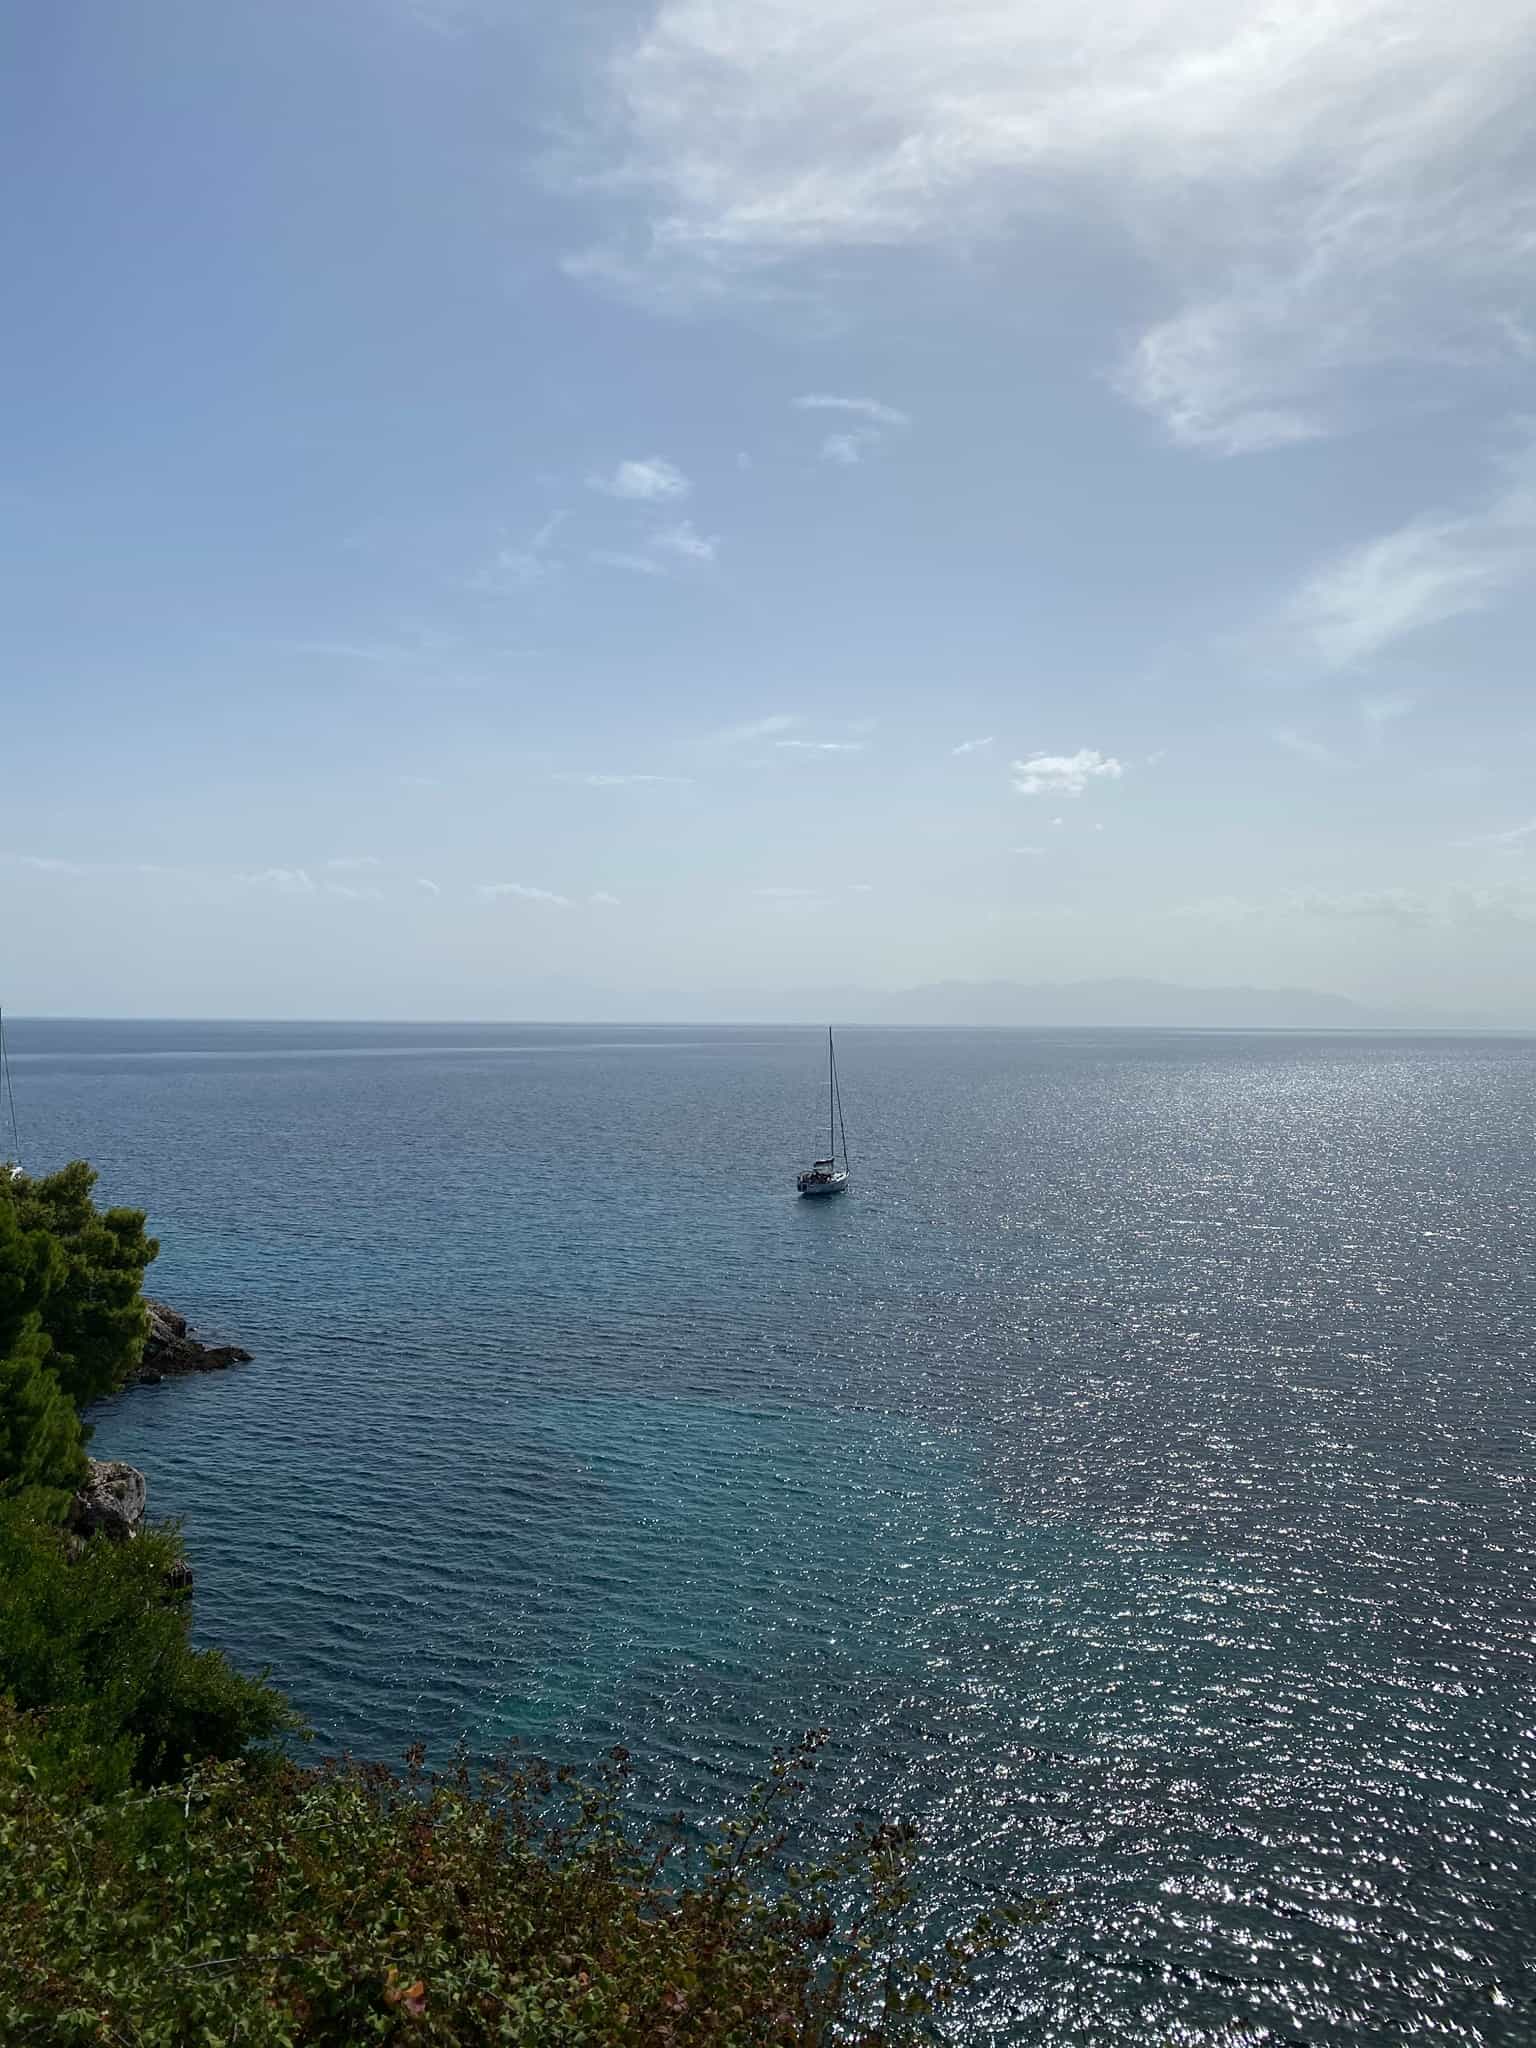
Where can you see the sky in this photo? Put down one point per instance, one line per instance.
(518, 512)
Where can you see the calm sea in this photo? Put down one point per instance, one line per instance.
(1134, 1471)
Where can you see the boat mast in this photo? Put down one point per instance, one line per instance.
(842, 1128)
(10, 1095)
(831, 1101)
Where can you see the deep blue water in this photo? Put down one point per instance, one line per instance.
(1134, 1471)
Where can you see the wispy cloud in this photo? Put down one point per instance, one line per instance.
(353, 892)
(1512, 835)
(777, 893)
(524, 891)
(972, 746)
(867, 408)
(372, 653)
(1421, 575)
(685, 540)
(823, 746)
(1064, 774)
(353, 863)
(1507, 904)
(1314, 191)
(1379, 712)
(651, 480)
(287, 881)
(605, 781)
(846, 450)
(847, 447)
(431, 888)
(1304, 745)
(760, 728)
(626, 558)
(604, 899)
(519, 566)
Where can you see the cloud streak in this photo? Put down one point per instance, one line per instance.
(525, 892)
(870, 409)
(1314, 192)
(1423, 574)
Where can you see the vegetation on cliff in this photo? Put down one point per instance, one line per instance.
(168, 1875)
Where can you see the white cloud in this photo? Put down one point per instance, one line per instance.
(867, 408)
(847, 450)
(760, 728)
(524, 890)
(604, 899)
(972, 746)
(288, 881)
(784, 895)
(599, 781)
(650, 481)
(1314, 190)
(620, 558)
(862, 888)
(515, 569)
(1064, 774)
(822, 746)
(353, 863)
(684, 540)
(432, 888)
(353, 893)
(1421, 575)
(1032, 849)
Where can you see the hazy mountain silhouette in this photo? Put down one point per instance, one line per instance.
(1112, 1002)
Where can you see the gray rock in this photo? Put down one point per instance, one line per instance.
(171, 1349)
(111, 1500)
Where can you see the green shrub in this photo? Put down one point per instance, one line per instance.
(102, 1646)
(93, 1312)
(41, 1444)
(352, 1905)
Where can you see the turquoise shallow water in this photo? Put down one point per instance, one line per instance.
(1134, 1472)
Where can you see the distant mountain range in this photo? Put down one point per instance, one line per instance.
(1118, 1002)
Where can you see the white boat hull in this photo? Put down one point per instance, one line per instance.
(823, 1184)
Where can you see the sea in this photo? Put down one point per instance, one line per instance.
(1133, 1472)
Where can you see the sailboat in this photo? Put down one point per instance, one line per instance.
(10, 1168)
(829, 1176)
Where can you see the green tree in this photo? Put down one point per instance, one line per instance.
(93, 1311)
(100, 1646)
(41, 1442)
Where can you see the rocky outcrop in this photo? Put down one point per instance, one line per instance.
(111, 1504)
(111, 1500)
(171, 1350)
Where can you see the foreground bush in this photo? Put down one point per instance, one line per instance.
(101, 1644)
(350, 1905)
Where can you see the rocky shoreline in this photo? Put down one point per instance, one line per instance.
(171, 1351)
(112, 1499)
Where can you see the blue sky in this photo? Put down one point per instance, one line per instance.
(712, 496)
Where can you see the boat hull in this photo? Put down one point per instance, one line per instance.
(834, 1184)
